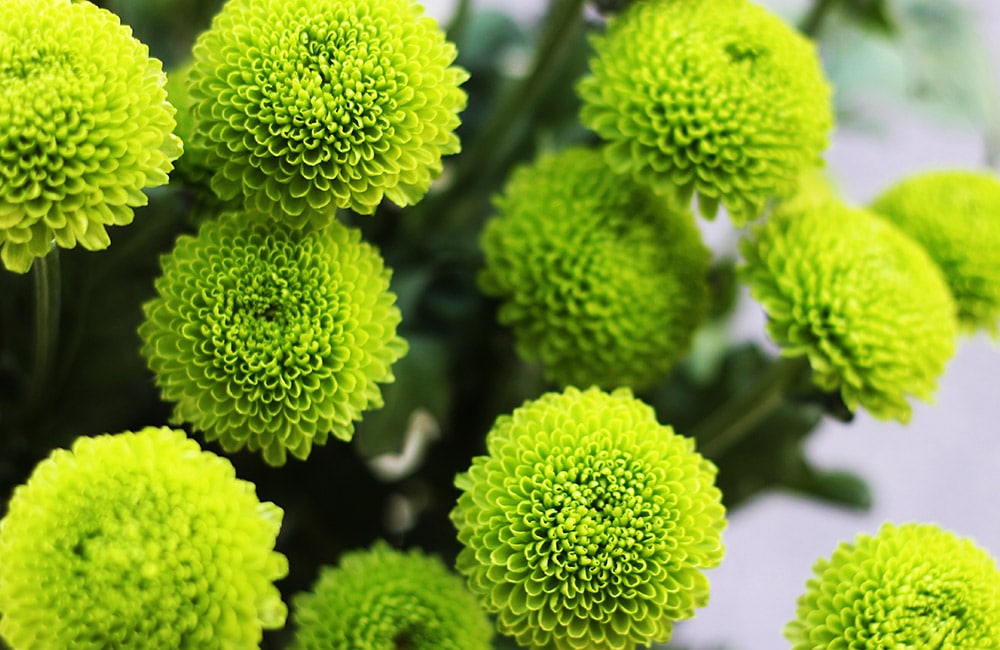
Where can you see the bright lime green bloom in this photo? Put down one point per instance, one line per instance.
(601, 281)
(138, 540)
(857, 297)
(719, 98)
(305, 106)
(956, 216)
(383, 599)
(909, 586)
(589, 524)
(270, 337)
(84, 127)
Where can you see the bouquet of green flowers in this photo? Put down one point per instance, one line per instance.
(410, 343)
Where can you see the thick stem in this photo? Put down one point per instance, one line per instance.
(494, 143)
(735, 419)
(48, 302)
(812, 23)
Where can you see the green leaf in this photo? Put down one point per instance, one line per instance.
(421, 387)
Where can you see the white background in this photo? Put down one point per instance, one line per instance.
(944, 467)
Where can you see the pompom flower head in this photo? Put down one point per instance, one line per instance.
(600, 280)
(382, 599)
(588, 524)
(270, 337)
(138, 540)
(719, 98)
(858, 298)
(306, 106)
(84, 127)
(956, 216)
(909, 586)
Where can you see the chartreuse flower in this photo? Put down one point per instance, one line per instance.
(909, 586)
(383, 599)
(84, 127)
(270, 337)
(601, 280)
(588, 524)
(956, 216)
(305, 106)
(858, 298)
(138, 540)
(720, 98)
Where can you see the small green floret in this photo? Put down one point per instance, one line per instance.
(383, 599)
(601, 280)
(141, 541)
(857, 297)
(588, 525)
(84, 127)
(955, 215)
(306, 106)
(270, 337)
(717, 98)
(909, 586)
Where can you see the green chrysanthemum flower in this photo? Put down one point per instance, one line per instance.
(84, 127)
(719, 98)
(138, 540)
(311, 105)
(272, 337)
(956, 216)
(384, 599)
(601, 281)
(909, 586)
(588, 524)
(857, 297)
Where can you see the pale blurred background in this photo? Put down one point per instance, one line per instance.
(944, 467)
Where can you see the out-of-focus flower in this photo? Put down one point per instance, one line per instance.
(382, 598)
(719, 98)
(857, 297)
(84, 127)
(272, 337)
(909, 586)
(138, 540)
(601, 280)
(589, 524)
(955, 215)
(305, 106)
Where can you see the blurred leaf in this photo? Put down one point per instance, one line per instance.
(421, 383)
(871, 14)
(770, 455)
(937, 63)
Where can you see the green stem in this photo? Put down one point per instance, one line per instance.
(813, 21)
(47, 310)
(731, 423)
(459, 21)
(494, 144)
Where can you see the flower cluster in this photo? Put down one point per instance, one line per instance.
(909, 586)
(956, 216)
(306, 106)
(382, 598)
(272, 337)
(588, 524)
(84, 127)
(600, 280)
(856, 296)
(138, 540)
(719, 98)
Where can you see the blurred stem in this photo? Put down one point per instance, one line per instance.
(813, 21)
(47, 308)
(459, 21)
(494, 144)
(741, 414)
